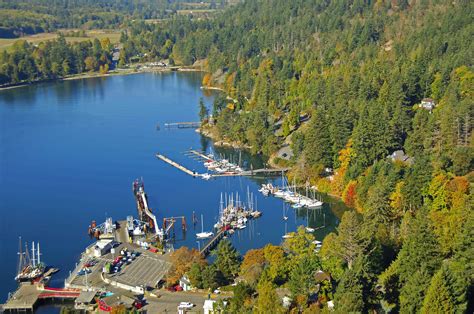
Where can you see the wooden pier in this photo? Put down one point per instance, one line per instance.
(26, 297)
(183, 125)
(180, 167)
(199, 154)
(248, 173)
(212, 243)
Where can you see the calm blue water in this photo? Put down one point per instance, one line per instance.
(69, 152)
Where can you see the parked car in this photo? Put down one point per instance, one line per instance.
(186, 305)
(138, 304)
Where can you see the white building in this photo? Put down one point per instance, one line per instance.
(209, 306)
(185, 283)
(100, 248)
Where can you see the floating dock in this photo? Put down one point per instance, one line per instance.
(183, 125)
(262, 171)
(180, 167)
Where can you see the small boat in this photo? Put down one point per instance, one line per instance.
(308, 229)
(206, 176)
(203, 234)
(287, 236)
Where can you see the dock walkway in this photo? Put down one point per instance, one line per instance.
(25, 298)
(212, 243)
(183, 125)
(180, 167)
(248, 173)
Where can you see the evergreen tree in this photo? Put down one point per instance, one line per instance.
(227, 259)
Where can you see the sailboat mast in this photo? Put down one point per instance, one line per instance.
(27, 255)
(20, 256)
(39, 254)
(33, 260)
(202, 223)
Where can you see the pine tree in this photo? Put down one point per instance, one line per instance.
(227, 259)
(438, 298)
(317, 149)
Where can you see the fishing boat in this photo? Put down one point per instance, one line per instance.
(203, 234)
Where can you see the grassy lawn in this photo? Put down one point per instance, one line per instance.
(114, 37)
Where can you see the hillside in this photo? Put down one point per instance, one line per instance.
(376, 78)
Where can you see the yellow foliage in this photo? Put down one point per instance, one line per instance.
(345, 156)
(230, 106)
(206, 80)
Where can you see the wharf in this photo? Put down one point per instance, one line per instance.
(26, 297)
(23, 299)
(212, 243)
(183, 125)
(180, 167)
(195, 152)
(248, 173)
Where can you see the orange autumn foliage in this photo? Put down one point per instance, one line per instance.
(349, 196)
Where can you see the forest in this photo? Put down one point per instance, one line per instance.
(375, 100)
(375, 78)
(22, 17)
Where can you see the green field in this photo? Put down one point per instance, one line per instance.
(114, 37)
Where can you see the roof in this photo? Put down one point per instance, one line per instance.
(209, 304)
(85, 297)
(399, 155)
(427, 100)
(185, 280)
(321, 276)
(122, 299)
(103, 243)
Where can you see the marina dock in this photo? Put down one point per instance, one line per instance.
(262, 171)
(183, 125)
(175, 164)
(212, 243)
(199, 154)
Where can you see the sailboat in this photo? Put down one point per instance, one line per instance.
(287, 235)
(202, 234)
(29, 268)
(308, 228)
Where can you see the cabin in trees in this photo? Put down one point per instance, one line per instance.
(399, 155)
(427, 103)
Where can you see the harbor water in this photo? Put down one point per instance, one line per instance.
(69, 152)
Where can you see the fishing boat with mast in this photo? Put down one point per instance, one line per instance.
(29, 268)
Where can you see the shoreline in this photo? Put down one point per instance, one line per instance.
(87, 75)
